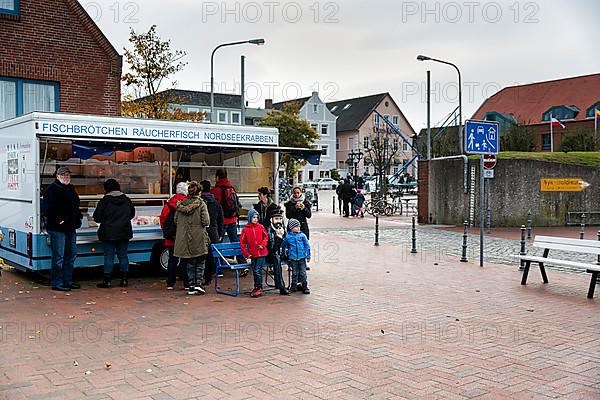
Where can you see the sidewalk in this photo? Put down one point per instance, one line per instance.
(380, 324)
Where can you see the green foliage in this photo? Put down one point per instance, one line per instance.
(590, 158)
(293, 132)
(335, 174)
(445, 144)
(520, 138)
(578, 140)
(151, 61)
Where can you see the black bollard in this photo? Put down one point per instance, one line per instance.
(582, 224)
(376, 229)
(333, 204)
(463, 257)
(522, 252)
(529, 225)
(317, 199)
(414, 237)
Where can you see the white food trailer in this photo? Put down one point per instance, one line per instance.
(147, 157)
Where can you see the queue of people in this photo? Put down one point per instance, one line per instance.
(193, 218)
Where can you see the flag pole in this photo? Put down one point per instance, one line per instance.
(596, 125)
(551, 146)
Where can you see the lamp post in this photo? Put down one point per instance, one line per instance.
(354, 158)
(212, 78)
(460, 134)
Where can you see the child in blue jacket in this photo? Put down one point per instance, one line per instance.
(296, 248)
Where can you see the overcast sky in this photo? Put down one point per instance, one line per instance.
(355, 48)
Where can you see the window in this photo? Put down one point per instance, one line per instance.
(366, 142)
(315, 127)
(206, 112)
(337, 143)
(590, 111)
(19, 96)
(386, 117)
(324, 130)
(222, 116)
(395, 120)
(235, 117)
(395, 144)
(193, 109)
(333, 108)
(325, 150)
(404, 147)
(347, 106)
(546, 142)
(561, 113)
(9, 7)
(376, 119)
(315, 108)
(311, 175)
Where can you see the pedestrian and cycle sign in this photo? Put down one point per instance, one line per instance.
(482, 137)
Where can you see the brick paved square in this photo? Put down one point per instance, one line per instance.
(378, 324)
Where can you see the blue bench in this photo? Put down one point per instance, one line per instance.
(221, 252)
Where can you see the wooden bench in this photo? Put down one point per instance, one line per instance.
(563, 244)
(221, 252)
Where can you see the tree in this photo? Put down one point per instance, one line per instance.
(520, 138)
(578, 140)
(151, 61)
(293, 132)
(381, 153)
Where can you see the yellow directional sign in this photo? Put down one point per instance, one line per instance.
(563, 185)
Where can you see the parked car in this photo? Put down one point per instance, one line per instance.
(321, 184)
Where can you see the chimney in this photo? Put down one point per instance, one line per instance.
(268, 104)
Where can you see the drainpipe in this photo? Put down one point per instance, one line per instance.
(465, 169)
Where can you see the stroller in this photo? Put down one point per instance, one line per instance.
(358, 203)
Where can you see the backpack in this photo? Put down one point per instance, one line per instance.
(230, 202)
(169, 228)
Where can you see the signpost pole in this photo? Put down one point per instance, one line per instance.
(481, 205)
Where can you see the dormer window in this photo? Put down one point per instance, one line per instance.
(334, 108)
(590, 111)
(347, 106)
(561, 112)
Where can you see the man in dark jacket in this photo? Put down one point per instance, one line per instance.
(215, 212)
(265, 207)
(347, 192)
(114, 214)
(222, 185)
(60, 209)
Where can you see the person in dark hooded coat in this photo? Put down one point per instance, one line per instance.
(114, 214)
(215, 212)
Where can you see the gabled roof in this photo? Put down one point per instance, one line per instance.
(91, 27)
(201, 99)
(528, 102)
(301, 101)
(352, 117)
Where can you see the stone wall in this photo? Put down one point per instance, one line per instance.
(513, 191)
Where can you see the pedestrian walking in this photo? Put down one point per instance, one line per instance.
(114, 213)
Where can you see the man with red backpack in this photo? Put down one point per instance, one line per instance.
(167, 223)
(227, 197)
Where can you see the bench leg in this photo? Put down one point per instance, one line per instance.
(543, 271)
(592, 285)
(525, 272)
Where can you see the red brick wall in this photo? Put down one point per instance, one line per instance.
(55, 40)
(423, 195)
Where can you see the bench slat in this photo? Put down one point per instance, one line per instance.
(553, 261)
(567, 244)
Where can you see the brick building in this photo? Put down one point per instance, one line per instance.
(571, 100)
(53, 57)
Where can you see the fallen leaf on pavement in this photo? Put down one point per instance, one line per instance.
(75, 363)
(107, 365)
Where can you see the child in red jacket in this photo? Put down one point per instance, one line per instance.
(253, 243)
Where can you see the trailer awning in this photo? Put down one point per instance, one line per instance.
(87, 148)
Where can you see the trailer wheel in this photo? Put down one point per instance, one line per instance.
(160, 258)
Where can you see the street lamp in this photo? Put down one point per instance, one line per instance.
(460, 138)
(354, 158)
(257, 42)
